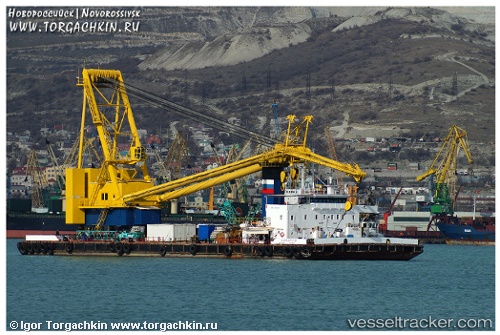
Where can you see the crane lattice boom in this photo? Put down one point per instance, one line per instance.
(444, 169)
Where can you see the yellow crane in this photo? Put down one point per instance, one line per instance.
(333, 155)
(160, 165)
(58, 169)
(89, 151)
(239, 191)
(92, 192)
(226, 188)
(176, 155)
(444, 169)
(38, 180)
(121, 192)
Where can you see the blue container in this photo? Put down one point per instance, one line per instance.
(147, 216)
(204, 231)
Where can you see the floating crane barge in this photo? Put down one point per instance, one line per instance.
(341, 251)
(298, 223)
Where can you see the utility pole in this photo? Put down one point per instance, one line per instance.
(308, 87)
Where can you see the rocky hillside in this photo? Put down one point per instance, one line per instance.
(247, 45)
(361, 71)
(258, 32)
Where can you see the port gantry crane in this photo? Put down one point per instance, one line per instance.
(58, 170)
(176, 155)
(444, 169)
(121, 192)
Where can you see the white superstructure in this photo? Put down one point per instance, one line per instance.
(323, 219)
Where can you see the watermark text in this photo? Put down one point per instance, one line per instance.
(423, 323)
(99, 325)
(69, 21)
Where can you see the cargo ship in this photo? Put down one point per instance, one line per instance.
(475, 230)
(470, 232)
(22, 220)
(410, 224)
(422, 225)
(21, 224)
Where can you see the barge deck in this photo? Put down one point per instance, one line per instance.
(341, 251)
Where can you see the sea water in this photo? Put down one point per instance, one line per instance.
(446, 287)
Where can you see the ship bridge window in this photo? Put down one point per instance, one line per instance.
(413, 219)
(335, 200)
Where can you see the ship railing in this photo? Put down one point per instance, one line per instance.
(169, 240)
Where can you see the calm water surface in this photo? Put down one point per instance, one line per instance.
(451, 282)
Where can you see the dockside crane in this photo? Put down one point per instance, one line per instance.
(90, 153)
(239, 190)
(121, 192)
(333, 155)
(383, 227)
(444, 170)
(177, 154)
(58, 169)
(159, 163)
(38, 180)
(226, 190)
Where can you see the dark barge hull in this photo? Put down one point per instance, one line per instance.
(354, 251)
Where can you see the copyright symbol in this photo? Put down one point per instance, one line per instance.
(13, 325)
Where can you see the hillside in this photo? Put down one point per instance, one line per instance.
(364, 72)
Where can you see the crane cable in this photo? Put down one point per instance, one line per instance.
(192, 114)
(342, 156)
